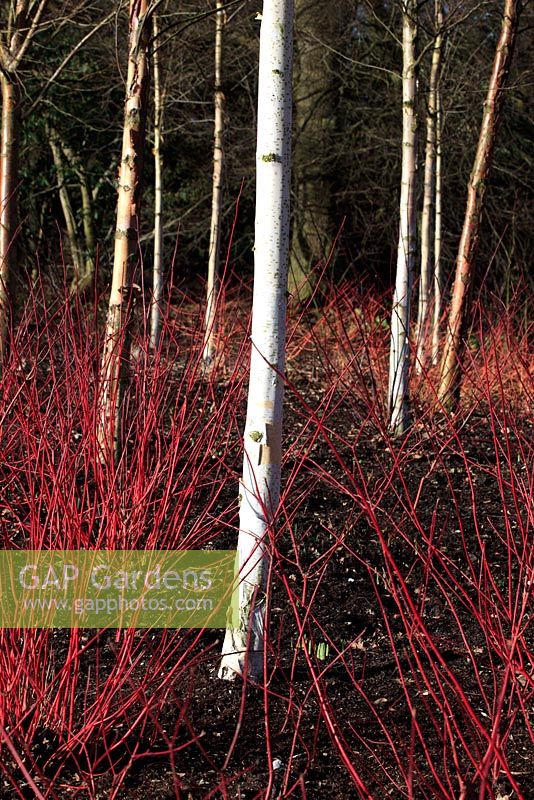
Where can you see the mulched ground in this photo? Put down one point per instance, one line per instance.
(337, 565)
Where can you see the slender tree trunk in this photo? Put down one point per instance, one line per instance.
(116, 344)
(88, 231)
(23, 20)
(451, 362)
(157, 270)
(438, 217)
(66, 206)
(399, 358)
(243, 646)
(210, 323)
(8, 190)
(87, 219)
(429, 191)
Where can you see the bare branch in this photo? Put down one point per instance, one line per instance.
(68, 58)
(16, 57)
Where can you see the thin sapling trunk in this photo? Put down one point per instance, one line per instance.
(429, 192)
(157, 270)
(8, 189)
(438, 218)
(210, 323)
(399, 358)
(451, 362)
(116, 343)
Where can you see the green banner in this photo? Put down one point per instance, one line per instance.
(118, 588)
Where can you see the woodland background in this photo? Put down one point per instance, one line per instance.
(349, 161)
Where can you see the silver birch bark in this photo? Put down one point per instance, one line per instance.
(438, 217)
(400, 316)
(157, 269)
(210, 322)
(116, 344)
(426, 283)
(243, 649)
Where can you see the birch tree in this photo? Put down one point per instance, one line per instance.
(157, 269)
(19, 23)
(116, 343)
(429, 195)
(451, 362)
(399, 357)
(216, 197)
(438, 222)
(243, 649)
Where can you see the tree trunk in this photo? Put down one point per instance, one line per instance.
(87, 219)
(88, 231)
(311, 233)
(451, 362)
(210, 323)
(157, 269)
(66, 206)
(438, 217)
(243, 646)
(8, 190)
(399, 412)
(429, 190)
(116, 343)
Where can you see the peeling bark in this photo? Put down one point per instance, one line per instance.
(451, 362)
(115, 354)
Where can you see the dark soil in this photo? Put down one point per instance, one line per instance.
(373, 681)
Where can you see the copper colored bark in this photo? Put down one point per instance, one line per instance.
(116, 345)
(451, 362)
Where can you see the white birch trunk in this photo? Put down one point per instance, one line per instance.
(9, 138)
(425, 284)
(23, 21)
(400, 316)
(243, 646)
(157, 274)
(438, 278)
(210, 322)
(115, 356)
